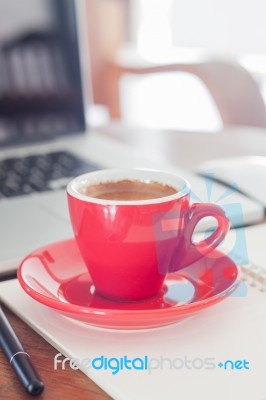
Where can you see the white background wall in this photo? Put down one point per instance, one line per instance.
(227, 26)
(170, 31)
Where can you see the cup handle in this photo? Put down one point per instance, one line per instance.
(190, 252)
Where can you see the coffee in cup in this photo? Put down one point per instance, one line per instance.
(130, 243)
(127, 190)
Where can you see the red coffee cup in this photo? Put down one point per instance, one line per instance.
(130, 246)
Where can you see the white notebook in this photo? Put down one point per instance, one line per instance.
(186, 354)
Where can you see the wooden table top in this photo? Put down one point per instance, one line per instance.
(65, 384)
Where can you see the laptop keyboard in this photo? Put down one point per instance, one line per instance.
(39, 173)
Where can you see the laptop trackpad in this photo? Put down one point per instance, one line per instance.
(27, 224)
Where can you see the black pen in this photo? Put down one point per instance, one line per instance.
(18, 358)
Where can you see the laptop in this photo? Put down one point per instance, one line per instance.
(44, 135)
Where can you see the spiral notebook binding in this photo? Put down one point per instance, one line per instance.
(252, 274)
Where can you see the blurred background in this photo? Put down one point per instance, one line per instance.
(40, 93)
(178, 64)
(170, 64)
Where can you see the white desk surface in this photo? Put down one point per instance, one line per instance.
(189, 149)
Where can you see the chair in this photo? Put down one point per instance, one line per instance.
(233, 89)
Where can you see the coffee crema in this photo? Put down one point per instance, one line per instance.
(126, 190)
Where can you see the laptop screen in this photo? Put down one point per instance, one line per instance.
(40, 79)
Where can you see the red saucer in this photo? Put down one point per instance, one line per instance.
(56, 276)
